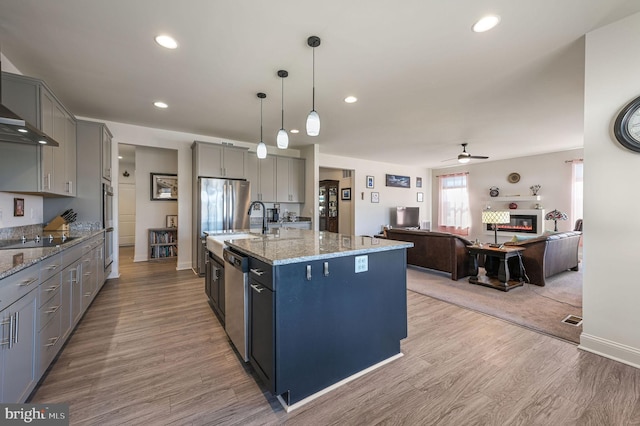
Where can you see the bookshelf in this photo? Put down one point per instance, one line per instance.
(163, 243)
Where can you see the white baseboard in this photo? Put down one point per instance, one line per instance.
(610, 349)
(183, 265)
(289, 408)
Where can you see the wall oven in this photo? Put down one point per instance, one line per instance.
(107, 221)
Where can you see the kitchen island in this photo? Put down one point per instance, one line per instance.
(324, 308)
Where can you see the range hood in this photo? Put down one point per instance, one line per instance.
(16, 130)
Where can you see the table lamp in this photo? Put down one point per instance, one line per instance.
(555, 215)
(494, 218)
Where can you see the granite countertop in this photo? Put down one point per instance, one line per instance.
(284, 246)
(15, 260)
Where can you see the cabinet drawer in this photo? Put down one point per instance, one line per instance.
(261, 272)
(50, 309)
(49, 343)
(48, 289)
(17, 285)
(72, 254)
(49, 266)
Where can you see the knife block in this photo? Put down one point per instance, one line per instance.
(57, 224)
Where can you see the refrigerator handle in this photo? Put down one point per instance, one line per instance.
(232, 205)
(225, 206)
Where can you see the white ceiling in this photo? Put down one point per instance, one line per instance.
(425, 81)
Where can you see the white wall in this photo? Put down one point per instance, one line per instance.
(612, 234)
(370, 217)
(548, 170)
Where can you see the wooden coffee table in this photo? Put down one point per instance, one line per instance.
(496, 266)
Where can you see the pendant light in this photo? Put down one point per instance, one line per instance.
(283, 138)
(313, 119)
(262, 148)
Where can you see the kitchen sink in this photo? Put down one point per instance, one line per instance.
(215, 243)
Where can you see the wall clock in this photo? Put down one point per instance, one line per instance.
(627, 126)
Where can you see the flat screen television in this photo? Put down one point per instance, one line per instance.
(405, 217)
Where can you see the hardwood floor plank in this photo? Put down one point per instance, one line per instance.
(150, 351)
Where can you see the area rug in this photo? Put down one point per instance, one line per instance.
(538, 308)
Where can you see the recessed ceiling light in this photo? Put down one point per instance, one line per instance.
(167, 41)
(161, 104)
(294, 131)
(486, 23)
(119, 157)
(23, 130)
(350, 99)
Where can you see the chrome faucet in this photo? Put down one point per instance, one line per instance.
(264, 214)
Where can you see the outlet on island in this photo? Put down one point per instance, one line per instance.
(362, 263)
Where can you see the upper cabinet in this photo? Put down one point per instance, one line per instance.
(262, 175)
(35, 169)
(290, 179)
(105, 144)
(213, 160)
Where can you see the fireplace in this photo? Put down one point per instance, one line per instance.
(527, 222)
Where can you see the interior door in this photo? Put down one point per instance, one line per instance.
(127, 214)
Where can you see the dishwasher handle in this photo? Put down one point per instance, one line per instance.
(236, 260)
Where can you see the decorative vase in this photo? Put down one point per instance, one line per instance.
(534, 189)
(513, 206)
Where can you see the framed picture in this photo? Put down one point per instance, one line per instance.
(18, 259)
(398, 181)
(18, 206)
(346, 193)
(420, 197)
(370, 182)
(172, 221)
(164, 187)
(375, 197)
(418, 182)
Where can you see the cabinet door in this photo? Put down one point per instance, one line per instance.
(296, 180)
(88, 279)
(47, 119)
(253, 175)
(17, 353)
(58, 184)
(106, 154)
(209, 160)
(70, 157)
(234, 160)
(267, 179)
(261, 331)
(282, 179)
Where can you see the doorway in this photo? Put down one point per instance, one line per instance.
(127, 195)
(345, 210)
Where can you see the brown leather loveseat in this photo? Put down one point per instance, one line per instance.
(435, 250)
(548, 255)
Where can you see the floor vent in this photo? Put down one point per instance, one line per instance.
(573, 320)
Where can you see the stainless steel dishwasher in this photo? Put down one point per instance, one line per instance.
(236, 300)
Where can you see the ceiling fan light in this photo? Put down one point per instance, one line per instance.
(261, 150)
(463, 160)
(313, 123)
(282, 139)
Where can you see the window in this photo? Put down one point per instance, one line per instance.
(453, 212)
(576, 190)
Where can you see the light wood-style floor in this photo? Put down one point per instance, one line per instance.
(150, 351)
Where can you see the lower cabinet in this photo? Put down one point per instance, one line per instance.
(261, 338)
(17, 356)
(37, 317)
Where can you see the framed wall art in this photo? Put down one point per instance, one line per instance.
(398, 181)
(370, 182)
(172, 221)
(418, 182)
(420, 197)
(18, 206)
(375, 197)
(164, 187)
(346, 193)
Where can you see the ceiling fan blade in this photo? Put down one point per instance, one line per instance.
(450, 159)
(478, 157)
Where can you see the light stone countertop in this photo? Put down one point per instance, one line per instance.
(291, 245)
(15, 260)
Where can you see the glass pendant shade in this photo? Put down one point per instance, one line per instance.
(282, 139)
(463, 160)
(261, 150)
(313, 123)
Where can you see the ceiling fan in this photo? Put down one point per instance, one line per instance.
(464, 156)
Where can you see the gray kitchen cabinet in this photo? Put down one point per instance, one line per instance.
(17, 350)
(290, 177)
(213, 160)
(105, 138)
(55, 173)
(262, 175)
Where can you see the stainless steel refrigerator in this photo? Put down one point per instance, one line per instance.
(222, 205)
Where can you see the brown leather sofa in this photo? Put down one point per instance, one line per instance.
(435, 250)
(547, 255)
